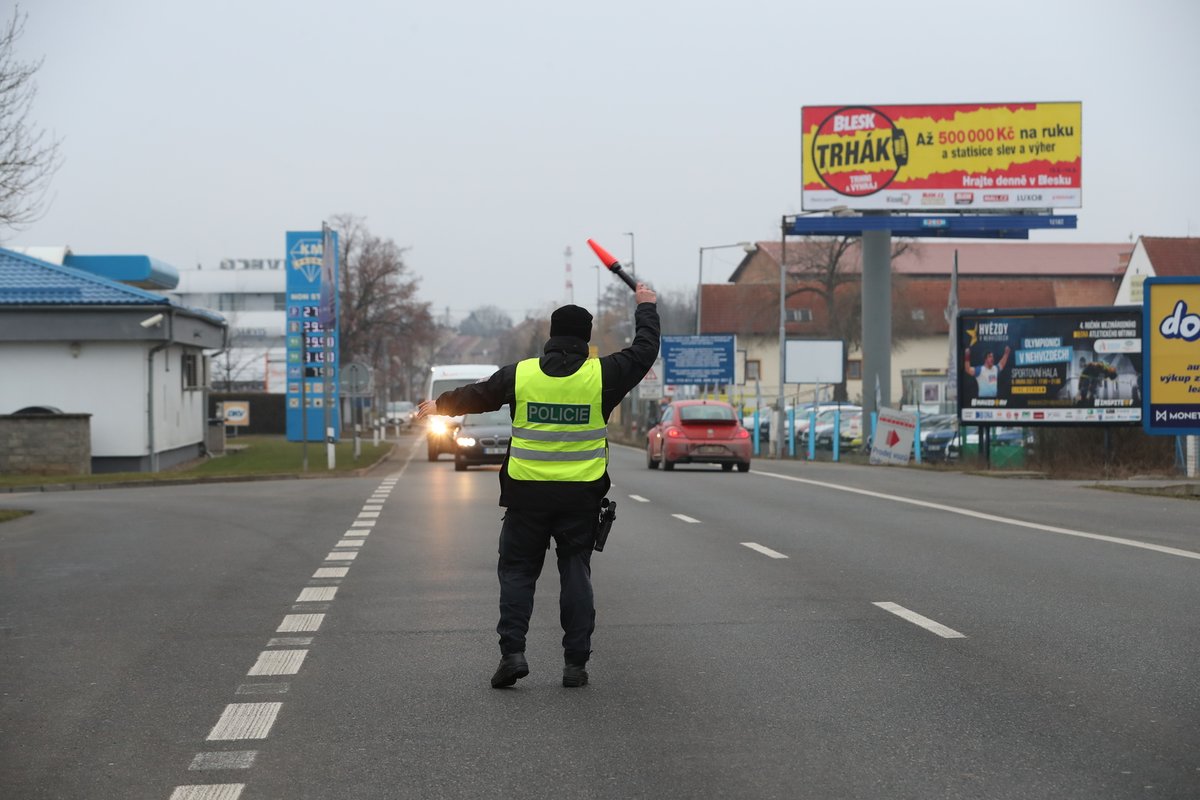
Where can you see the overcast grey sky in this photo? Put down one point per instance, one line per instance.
(488, 136)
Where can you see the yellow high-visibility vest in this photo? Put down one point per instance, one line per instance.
(558, 425)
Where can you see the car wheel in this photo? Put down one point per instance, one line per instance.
(744, 466)
(650, 462)
(667, 465)
(431, 450)
(727, 467)
(460, 465)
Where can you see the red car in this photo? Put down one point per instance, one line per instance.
(698, 432)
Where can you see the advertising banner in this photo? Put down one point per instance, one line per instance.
(965, 157)
(1057, 366)
(698, 360)
(309, 359)
(894, 433)
(1172, 336)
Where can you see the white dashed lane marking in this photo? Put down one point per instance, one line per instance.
(278, 662)
(317, 594)
(917, 619)
(350, 543)
(331, 572)
(766, 551)
(686, 518)
(225, 759)
(340, 556)
(217, 791)
(245, 721)
(639, 498)
(368, 514)
(371, 508)
(295, 623)
(363, 523)
(357, 532)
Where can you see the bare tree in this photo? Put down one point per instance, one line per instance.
(822, 266)
(28, 156)
(382, 321)
(485, 321)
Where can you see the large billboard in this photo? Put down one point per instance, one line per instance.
(965, 157)
(1056, 366)
(1172, 335)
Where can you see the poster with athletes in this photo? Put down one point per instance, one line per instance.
(939, 157)
(1057, 366)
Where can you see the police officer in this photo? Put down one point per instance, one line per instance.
(555, 473)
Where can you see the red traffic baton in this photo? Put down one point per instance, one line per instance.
(614, 266)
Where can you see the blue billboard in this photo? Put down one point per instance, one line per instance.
(698, 360)
(312, 373)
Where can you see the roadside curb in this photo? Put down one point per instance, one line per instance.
(200, 479)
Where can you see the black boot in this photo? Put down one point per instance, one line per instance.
(512, 667)
(574, 675)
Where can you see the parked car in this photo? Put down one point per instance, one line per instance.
(946, 444)
(482, 439)
(850, 430)
(849, 418)
(699, 432)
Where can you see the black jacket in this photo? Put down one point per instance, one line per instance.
(563, 355)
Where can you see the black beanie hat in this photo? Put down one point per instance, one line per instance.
(571, 321)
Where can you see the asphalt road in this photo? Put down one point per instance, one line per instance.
(800, 631)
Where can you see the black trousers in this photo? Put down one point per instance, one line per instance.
(524, 538)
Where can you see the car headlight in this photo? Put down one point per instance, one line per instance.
(465, 441)
(437, 425)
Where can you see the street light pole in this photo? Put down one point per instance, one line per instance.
(782, 332)
(632, 256)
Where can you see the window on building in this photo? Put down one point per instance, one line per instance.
(191, 371)
(280, 301)
(854, 369)
(227, 301)
(753, 370)
(799, 315)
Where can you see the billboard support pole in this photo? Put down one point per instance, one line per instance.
(877, 314)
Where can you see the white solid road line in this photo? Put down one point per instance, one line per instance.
(1100, 537)
(245, 721)
(686, 518)
(639, 498)
(278, 662)
(216, 791)
(924, 622)
(766, 551)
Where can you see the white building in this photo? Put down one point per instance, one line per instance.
(251, 295)
(77, 342)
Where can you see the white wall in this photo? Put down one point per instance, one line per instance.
(1140, 268)
(108, 381)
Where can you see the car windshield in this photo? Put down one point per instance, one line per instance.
(498, 417)
(706, 413)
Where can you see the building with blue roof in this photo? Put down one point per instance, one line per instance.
(77, 342)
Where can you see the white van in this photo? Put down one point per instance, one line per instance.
(442, 378)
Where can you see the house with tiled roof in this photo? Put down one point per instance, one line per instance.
(1158, 257)
(78, 343)
(990, 275)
